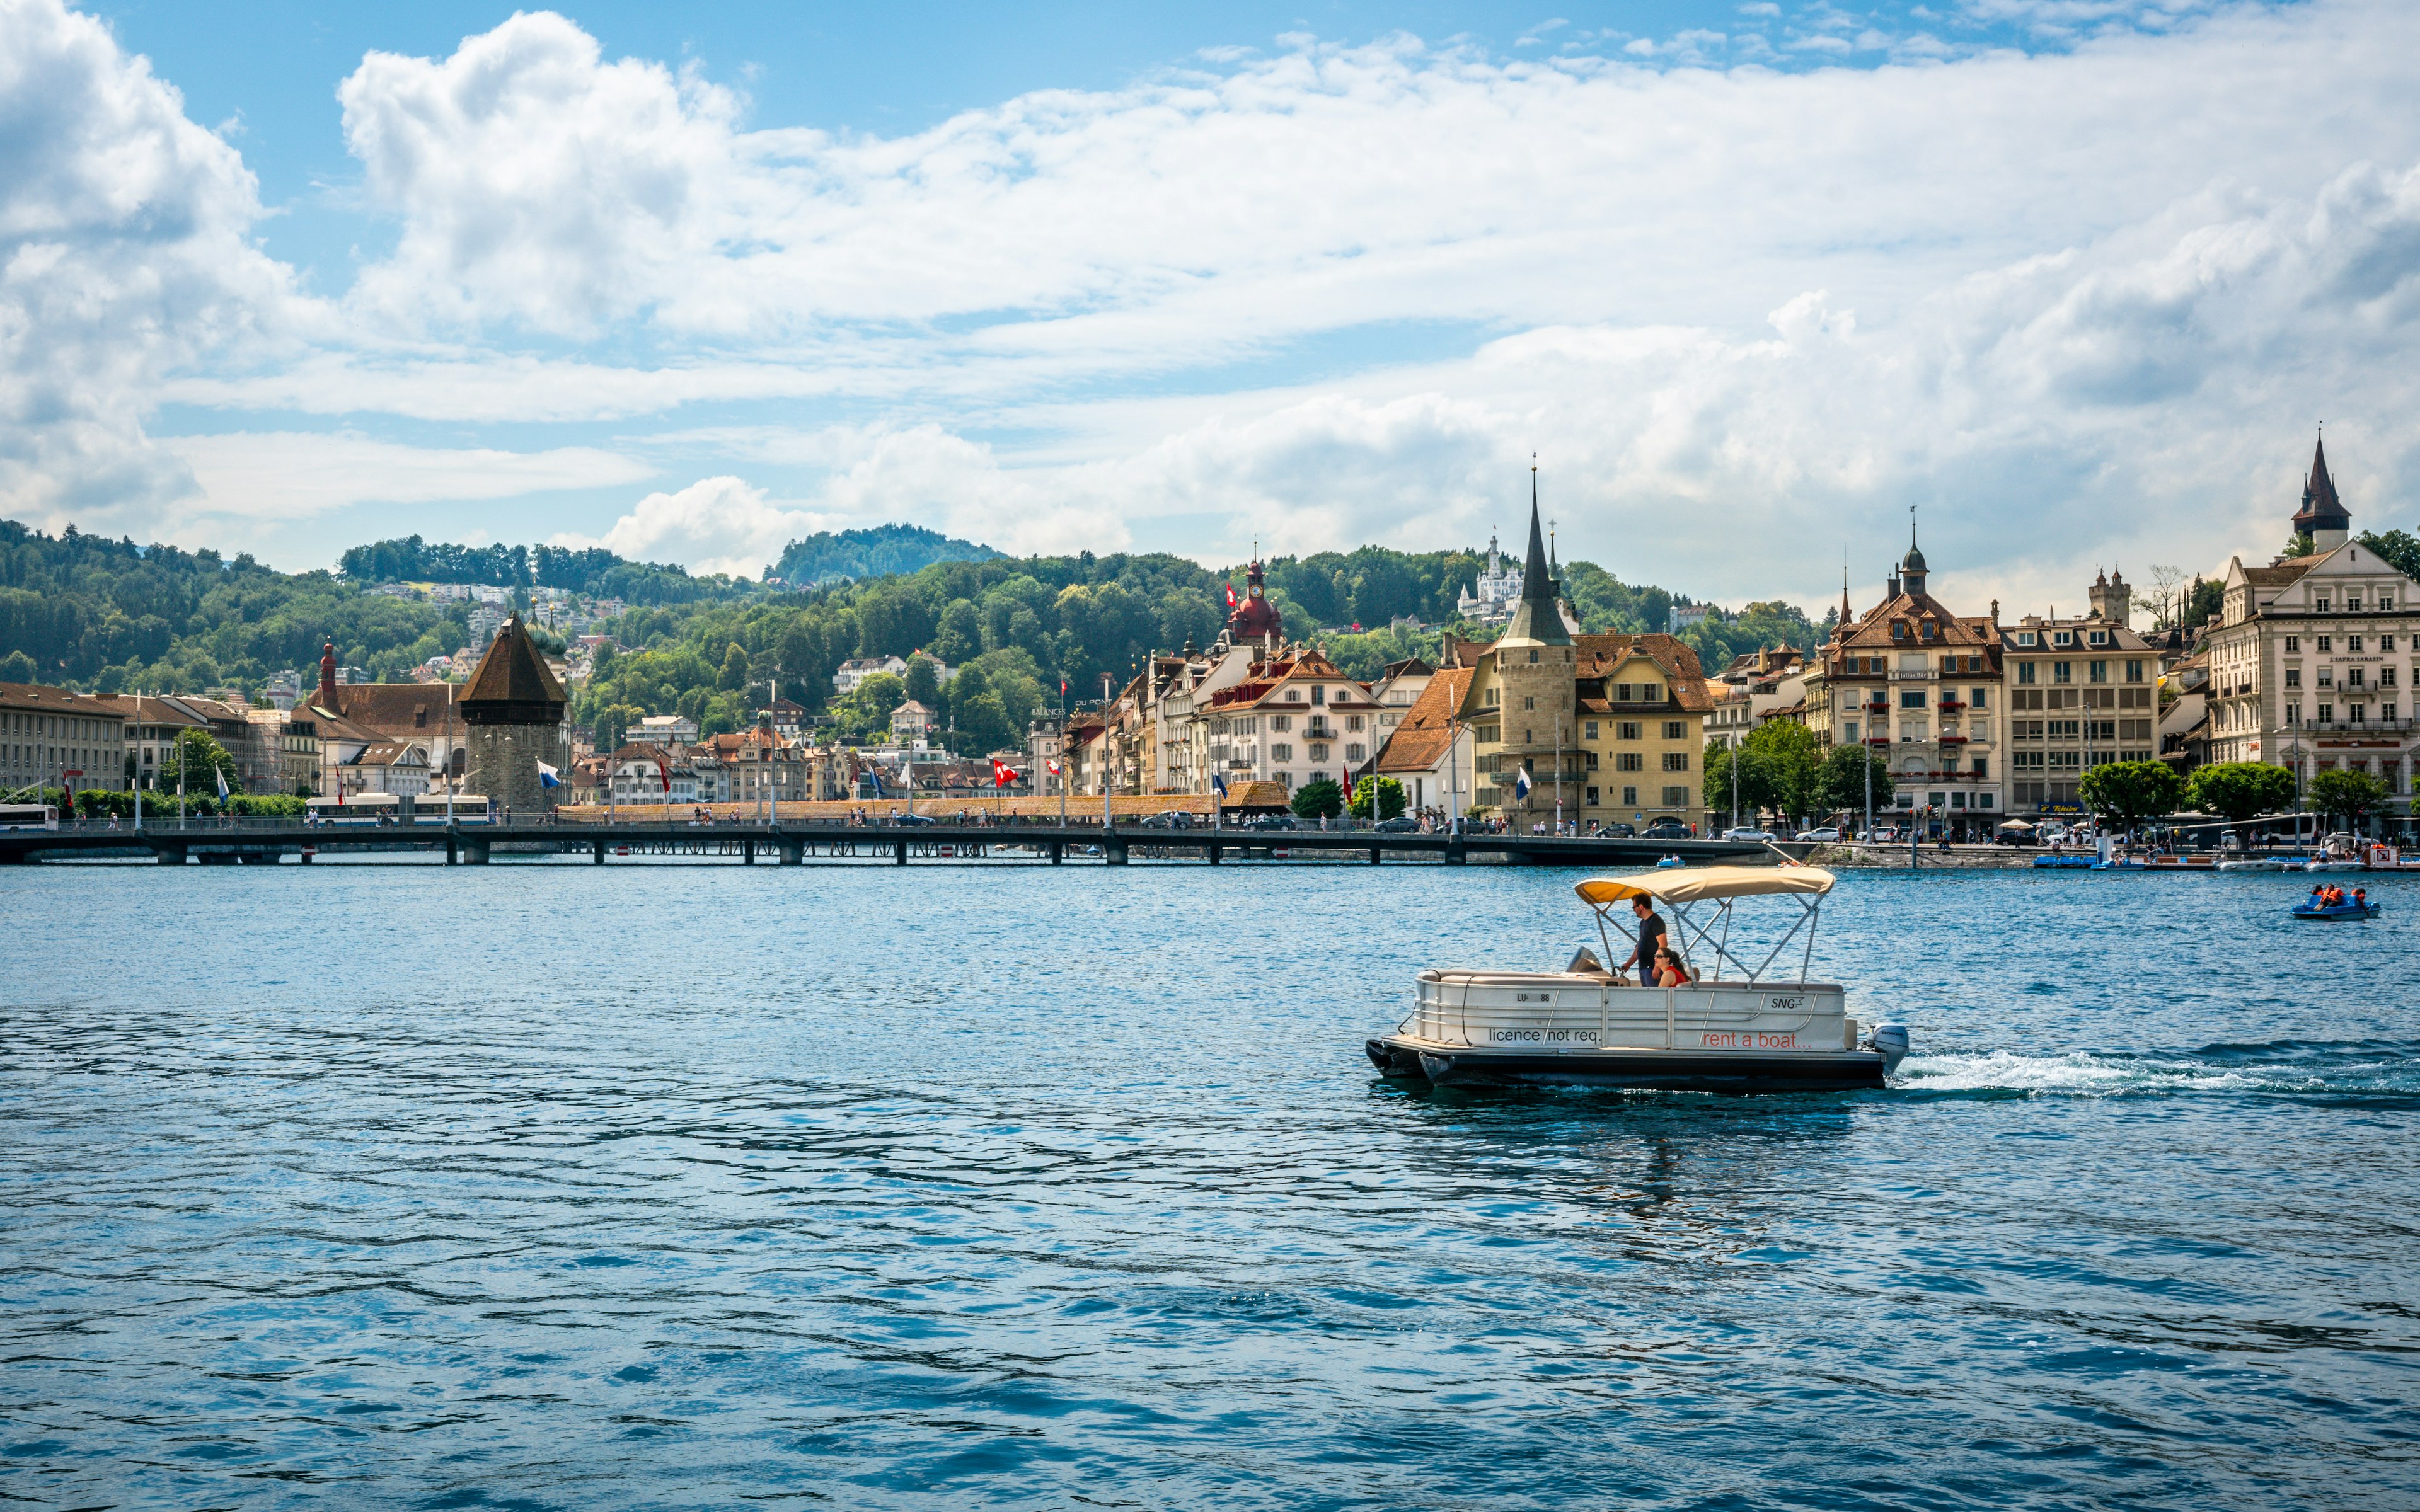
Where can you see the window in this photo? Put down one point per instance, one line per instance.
(1898, 629)
(2385, 603)
(1355, 752)
(1676, 729)
(2293, 643)
(1849, 729)
(1592, 729)
(2386, 677)
(1911, 698)
(1592, 797)
(1676, 761)
(1629, 761)
(1978, 698)
(2327, 642)
(1318, 753)
(2025, 671)
(1622, 693)
(2320, 606)
(1630, 798)
(2386, 642)
(2293, 714)
(2352, 643)
(1294, 695)
(2352, 604)
(1591, 759)
(2062, 671)
(1281, 723)
(2324, 713)
(1982, 766)
(1533, 656)
(2027, 638)
(2134, 671)
(1281, 752)
(1352, 721)
(1650, 692)
(2327, 677)
(2293, 677)
(2098, 671)
(1318, 695)
(2063, 638)
(1627, 728)
(1982, 800)
(1676, 797)
(2353, 676)
(1948, 664)
(1529, 703)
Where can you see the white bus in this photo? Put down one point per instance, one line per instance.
(28, 816)
(358, 809)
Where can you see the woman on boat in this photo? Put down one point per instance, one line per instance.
(1670, 972)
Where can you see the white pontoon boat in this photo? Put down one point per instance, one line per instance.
(1734, 1030)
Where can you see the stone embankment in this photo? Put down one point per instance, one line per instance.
(1967, 857)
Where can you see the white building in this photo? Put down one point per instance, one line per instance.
(2313, 659)
(1491, 599)
(666, 730)
(853, 673)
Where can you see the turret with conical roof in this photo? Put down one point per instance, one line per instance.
(1911, 566)
(2322, 516)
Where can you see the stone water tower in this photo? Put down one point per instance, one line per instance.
(513, 714)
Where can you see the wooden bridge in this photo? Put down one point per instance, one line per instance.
(262, 842)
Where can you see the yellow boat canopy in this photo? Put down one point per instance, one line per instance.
(1689, 885)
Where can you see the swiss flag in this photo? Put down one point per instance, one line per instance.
(1002, 773)
(1231, 595)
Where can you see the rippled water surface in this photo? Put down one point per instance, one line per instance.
(553, 1186)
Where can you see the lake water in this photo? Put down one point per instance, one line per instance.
(660, 1185)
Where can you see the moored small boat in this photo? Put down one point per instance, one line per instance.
(1584, 1026)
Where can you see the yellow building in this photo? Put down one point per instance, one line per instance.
(1604, 728)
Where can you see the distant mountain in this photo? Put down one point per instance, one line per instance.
(883, 551)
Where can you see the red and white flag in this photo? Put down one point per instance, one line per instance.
(1231, 595)
(1054, 766)
(1002, 773)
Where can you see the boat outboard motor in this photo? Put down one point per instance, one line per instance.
(1890, 1040)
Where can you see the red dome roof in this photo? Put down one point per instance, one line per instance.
(1254, 616)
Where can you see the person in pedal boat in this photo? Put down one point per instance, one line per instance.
(1651, 939)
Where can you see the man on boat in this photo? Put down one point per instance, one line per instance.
(1650, 939)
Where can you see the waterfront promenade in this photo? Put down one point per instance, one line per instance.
(898, 840)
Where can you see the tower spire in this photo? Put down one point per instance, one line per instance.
(1536, 618)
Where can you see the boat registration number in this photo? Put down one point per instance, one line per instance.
(1748, 1039)
(1549, 1038)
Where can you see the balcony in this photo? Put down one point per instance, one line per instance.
(1950, 706)
(1951, 737)
(1879, 740)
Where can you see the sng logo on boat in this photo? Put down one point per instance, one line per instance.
(1785, 1005)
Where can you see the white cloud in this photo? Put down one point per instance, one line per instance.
(124, 257)
(282, 475)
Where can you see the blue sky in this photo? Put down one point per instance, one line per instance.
(2075, 276)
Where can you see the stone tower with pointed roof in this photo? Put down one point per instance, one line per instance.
(513, 713)
(2322, 516)
(1535, 677)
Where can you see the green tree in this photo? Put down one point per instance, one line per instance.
(924, 681)
(201, 760)
(1755, 790)
(2129, 793)
(614, 724)
(959, 639)
(734, 675)
(1840, 786)
(2240, 792)
(1390, 793)
(1790, 756)
(2351, 796)
(2400, 549)
(1319, 799)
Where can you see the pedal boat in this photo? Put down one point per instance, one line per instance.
(1585, 1027)
(2347, 909)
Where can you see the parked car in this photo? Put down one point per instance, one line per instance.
(1668, 829)
(1882, 835)
(1821, 836)
(1168, 819)
(912, 819)
(1273, 821)
(1402, 823)
(1617, 830)
(1747, 832)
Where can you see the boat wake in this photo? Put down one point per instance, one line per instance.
(2354, 1070)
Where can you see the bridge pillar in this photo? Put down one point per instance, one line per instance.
(1214, 852)
(1114, 850)
(174, 855)
(1058, 852)
(747, 852)
(475, 852)
(451, 848)
(794, 852)
(598, 846)
(903, 853)
(1374, 856)
(1455, 855)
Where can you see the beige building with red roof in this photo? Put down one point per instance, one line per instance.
(1919, 684)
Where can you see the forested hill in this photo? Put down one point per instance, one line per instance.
(109, 615)
(883, 551)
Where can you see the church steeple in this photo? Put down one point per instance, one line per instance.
(2322, 516)
(1536, 620)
